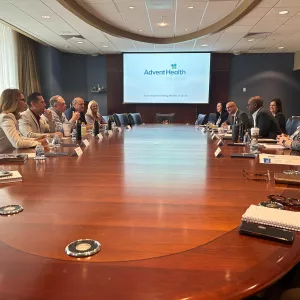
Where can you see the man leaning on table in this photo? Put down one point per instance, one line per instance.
(36, 121)
(263, 119)
(57, 108)
(291, 142)
(235, 116)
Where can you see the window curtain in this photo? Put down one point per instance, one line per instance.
(8, 58)
(28, 72)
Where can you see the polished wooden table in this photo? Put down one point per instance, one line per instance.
(164, 209)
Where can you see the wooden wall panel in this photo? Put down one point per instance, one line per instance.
(185, 113)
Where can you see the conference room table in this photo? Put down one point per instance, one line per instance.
(165, 210)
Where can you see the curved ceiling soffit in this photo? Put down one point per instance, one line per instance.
(238, 13)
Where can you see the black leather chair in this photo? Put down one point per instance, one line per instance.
(202, 119)
(292, 124)
(160, 117)
(121, 119)
(135, 118)
(212, 118)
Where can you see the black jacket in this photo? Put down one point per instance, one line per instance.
(224, 117)
(241, 117)
(281, 121)
(267, 124)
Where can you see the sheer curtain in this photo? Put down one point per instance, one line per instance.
(8, 58)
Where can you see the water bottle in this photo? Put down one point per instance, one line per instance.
(39, 152)
(113, 126)
(246, 139)
(254, 147)
(74, 134)
(56, 141)
(96, 128)
(78, 131)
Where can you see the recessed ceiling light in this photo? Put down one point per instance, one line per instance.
(46, 17)
(163, 23)
(281, 47)
(131, 7)
(250, 40)
(186, 29)
(79, 42)
(283, 12)
(140, 30)
(204, 45)
(105, 46)
(191, 7)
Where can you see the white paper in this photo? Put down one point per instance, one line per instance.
(220, 143)
(279, 159)
(213, 136)
(272, 146)
(86, 142)
(218, 151)
(78, 151)
(100, 136)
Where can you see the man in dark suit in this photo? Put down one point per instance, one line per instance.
(263, 119)
(236, 116)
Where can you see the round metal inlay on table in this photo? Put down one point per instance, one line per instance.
(83, 248)
(11, 209)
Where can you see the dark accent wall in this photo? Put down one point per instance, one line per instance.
(71, 75)
(185, 113)
(266, 75)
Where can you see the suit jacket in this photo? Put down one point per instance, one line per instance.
(267, 124)
(240, 117)
(10, 136)
(224, 117)
(281, 121)
(30, 127)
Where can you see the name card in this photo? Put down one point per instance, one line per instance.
(86, 142)
(220, 143)
(218, 152)
(78, 151)
(212, 133)
(99, 135)
(213, 136)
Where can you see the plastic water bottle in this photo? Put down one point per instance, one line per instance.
(83, 130)
(73, 134)
(39, 152)
(56, 141)
(246, 139)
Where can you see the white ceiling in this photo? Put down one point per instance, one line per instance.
(145, 16)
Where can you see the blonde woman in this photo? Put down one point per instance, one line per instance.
(93, 114)
(12, 102)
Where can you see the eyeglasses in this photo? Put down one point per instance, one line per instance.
(257, 176)
(285, 201)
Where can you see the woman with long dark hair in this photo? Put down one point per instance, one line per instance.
(276, 111)
(221, 113)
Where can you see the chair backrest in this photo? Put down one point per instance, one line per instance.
(121, 119)
(202, 119)
(292, 124)
(212, 118)
(135, 118)
(105, 118)
(165, 117)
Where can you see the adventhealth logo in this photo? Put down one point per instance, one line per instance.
(172, 71)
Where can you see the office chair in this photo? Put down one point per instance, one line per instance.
(135, 118)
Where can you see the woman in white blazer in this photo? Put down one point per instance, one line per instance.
(12, 102)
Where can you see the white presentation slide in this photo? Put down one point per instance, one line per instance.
(166, 77)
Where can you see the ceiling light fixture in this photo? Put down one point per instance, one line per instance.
(250, 40)
(283, 12)
(46, 17)
(163, 23)
(281, 47)
(131, 7)
(79, 42)
(204, 45)
(105, 46)
(191, 7)
(140, 30)
(186, 29)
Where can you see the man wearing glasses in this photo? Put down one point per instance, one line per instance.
(236, 116)
(77, 106)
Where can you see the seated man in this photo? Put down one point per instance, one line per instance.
(57, 108)
(291, 142)
(236, 116)
(263, 119)
(77, 106)
(33, 123)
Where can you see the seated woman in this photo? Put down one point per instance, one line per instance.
(222, 114)
(12, 102)
(276, 110)
(93, 114)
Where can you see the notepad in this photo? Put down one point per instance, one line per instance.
(14, 177)
(273, 217)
